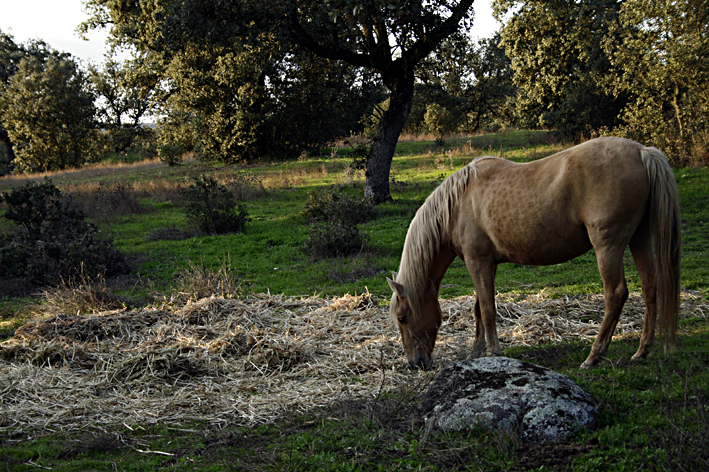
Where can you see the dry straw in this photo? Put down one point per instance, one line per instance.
(252, 360)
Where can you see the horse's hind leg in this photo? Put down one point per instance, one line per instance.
(615, 293)
(641, 248)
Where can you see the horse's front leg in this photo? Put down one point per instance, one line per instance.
(479, 345)
(483, 275)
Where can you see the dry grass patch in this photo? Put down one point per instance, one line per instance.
(87, 172)
(253, 360)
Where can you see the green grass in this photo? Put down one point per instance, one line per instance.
(654, 415)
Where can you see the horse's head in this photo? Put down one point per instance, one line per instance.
(418, 332)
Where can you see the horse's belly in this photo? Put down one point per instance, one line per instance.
(542, 247)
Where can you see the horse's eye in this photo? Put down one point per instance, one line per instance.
(402, 319)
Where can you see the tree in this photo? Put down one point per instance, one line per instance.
(389, 37)
(664, 60)
(125, 92)
(11, 54)
(48, 114)
(468, 82)
(560, 63)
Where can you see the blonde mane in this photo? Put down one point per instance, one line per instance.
(428, 231)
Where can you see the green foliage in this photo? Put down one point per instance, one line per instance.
(336, 205)
(664, 67)
(438, 120)
(54, 242)
(358, 156)
(559, 61)
(175, 136)
(333, 239)
(48, 114)
(125, 92)
(212, 208)
(335, 216)
(288, 75)
(466, 86)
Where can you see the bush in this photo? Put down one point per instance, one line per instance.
(358, 156)
(212, 208)
(335, 216)
(333, 239)
(336, 205)
(54, 242)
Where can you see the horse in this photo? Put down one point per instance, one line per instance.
(607, 193)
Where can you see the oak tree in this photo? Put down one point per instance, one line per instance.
(388, 37)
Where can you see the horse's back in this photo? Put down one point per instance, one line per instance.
(541, 212)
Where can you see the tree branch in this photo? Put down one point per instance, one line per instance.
(424, 46)
(336, 52)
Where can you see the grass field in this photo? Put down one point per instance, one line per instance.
(654, 415)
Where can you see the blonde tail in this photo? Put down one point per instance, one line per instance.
(666, 226)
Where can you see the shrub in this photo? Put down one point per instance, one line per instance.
(334, 216)
(333, 239)
(54, 242)
(334, 205)
(358, 156)
(212, 208)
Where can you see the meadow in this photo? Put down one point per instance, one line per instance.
(654, 415)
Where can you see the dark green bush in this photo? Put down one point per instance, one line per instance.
(212, 208)
(358, 156)
(54, 242)
(335, 216)
(334, 205)
(333, 239)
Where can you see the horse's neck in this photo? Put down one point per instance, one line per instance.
(420, 277)
(439, 266)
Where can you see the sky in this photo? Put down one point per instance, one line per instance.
(55, 22)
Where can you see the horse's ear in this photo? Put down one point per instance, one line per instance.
(394, 275)
(397, 288)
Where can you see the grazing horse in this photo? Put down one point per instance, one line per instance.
(605, 194)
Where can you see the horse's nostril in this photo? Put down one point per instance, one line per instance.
(422, 362)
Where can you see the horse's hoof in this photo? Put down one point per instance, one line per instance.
(589, 364)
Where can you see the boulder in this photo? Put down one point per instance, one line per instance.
(536, 403)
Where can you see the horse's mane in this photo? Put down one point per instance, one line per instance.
(428, 231)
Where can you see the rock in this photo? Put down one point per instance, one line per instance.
(536, 403)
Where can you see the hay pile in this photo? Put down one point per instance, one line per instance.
(253, 360)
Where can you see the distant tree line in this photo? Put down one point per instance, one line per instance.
(236, 81)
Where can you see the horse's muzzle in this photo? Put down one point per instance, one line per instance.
(421, 361)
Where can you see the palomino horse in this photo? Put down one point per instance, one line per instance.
(605, 194)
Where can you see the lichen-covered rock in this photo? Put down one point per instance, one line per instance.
(536, 403)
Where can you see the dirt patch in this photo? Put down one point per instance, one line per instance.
(100, 443)
(555, 456)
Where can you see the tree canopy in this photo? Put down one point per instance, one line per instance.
(558, 58)
(663, 64)
(269, 43)
(47, 113)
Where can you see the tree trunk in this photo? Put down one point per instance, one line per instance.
(376, 184)
(5, 139)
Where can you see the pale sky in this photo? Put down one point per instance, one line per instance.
(55, 22)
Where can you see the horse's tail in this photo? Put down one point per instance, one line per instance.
(666, 227)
